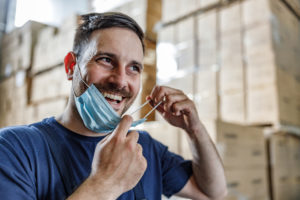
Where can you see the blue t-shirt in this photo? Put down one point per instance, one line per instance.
(47, 161)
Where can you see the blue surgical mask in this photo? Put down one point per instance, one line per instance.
(97, 114)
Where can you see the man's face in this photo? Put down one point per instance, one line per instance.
(112, 61)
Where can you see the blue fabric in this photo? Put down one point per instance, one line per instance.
(28, 169)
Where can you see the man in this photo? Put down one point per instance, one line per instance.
(88, 152)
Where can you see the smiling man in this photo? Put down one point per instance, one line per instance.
(89, 152)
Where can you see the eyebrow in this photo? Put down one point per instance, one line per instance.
(101, 53)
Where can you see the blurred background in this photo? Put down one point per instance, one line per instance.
(239, 60)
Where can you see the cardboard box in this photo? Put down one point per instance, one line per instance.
(185, 8)
(54, 44)
(279, 29)
(185, 30)
(51, 84)
(281, 184)
(284, 165)
(231, 50)
(181, 8)
(50, 108)
(138, 11)
(206, 106)
(295, 184)
(17, 48)
(206, 82)
(233, 107)
(279, 152)
(185, 55)
(13, 99)
(206, 3)
(231, 19)
(168, 8)
(295, 4)
(207, 55)
(240, 147)
(268, 100)
(293, 146)
(207, 27)
(232, 80)
(167, 35)
(232, 71)
(262, 109)
(205, 96)
(163, 132)
(184, 83)
(247, 183)
(262, 11)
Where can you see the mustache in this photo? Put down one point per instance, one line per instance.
(113, 89)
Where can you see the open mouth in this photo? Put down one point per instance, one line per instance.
(113, 98)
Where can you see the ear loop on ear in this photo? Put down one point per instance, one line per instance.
(81, 75)
(80, 79)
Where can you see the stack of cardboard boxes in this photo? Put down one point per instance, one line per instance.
(284, 165)
(242, 70)
(33, 83)
(16, 61)
(247, 57)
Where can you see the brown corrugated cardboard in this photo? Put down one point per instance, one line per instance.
(50, 85)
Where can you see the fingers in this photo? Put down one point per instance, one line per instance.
(123, 127)
(173, 98)
(182, 107)
(133, 136)
(159, 92)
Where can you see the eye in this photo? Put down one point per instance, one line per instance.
(104, 59)
(135, 68)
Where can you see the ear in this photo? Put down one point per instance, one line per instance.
(70, 62)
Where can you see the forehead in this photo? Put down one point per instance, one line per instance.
(122, 42)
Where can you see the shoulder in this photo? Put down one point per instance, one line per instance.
(147, 141)
(22, 138)
(21, 132)
(17, 133)
(145, 138)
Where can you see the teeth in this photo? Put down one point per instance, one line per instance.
(112, 96)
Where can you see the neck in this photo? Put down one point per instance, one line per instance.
(71, 120)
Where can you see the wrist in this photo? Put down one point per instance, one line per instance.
(93, 188)
(104, 188)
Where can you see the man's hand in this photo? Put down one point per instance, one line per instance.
(118, 163)
(176, 108)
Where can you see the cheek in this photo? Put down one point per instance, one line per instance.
(136, 86)
(93, 76)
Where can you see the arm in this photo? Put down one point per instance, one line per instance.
(208, 179)
(208, 173)
(117, 166)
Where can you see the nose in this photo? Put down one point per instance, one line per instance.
(118, 77)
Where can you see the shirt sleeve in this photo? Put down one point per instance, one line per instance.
(15, 180)
(175, 170)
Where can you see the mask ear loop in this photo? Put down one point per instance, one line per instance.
(141, 106)
(81, 75)
(152, 110)
(80, 79)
